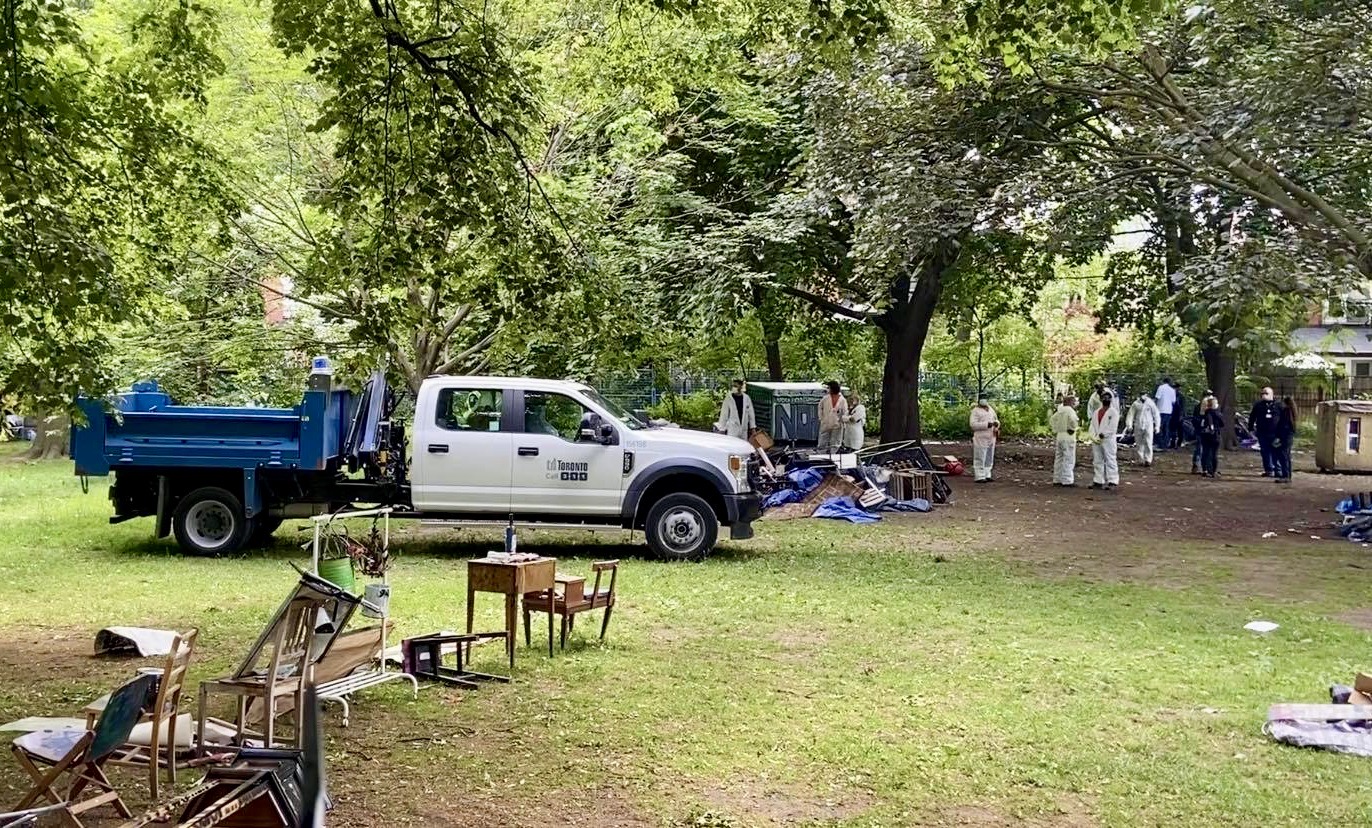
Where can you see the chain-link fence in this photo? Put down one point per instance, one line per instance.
(643, 389)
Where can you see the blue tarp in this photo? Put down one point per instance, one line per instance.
(843, 508)
(806, 480)
(781, 498)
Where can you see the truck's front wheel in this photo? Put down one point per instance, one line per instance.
(681, 527)
(210, 521)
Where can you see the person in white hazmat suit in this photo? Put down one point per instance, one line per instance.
(1093, 404)
(985, 430)
(855, 424)
(736, 417)
(1064, 425)
(833, 411)
(1104, 424)
(1145, 422)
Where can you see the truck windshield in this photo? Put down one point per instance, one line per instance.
(619, 412)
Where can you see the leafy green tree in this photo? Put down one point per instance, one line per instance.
(942, 186)
(102, 183)
(1265, 102)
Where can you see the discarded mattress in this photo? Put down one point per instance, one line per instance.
(133, 641)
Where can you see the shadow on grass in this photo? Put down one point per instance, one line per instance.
(286, 545)
(149, 547)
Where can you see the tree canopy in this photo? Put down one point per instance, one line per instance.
(210, 191)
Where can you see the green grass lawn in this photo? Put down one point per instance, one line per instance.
(819, 674)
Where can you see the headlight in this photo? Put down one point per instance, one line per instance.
(738, 464)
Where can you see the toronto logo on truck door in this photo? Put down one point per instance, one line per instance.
(568, 470)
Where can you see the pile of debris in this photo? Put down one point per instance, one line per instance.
(856, 487)
(1344, 726)
(1356, 510)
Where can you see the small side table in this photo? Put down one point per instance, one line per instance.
(511, 579)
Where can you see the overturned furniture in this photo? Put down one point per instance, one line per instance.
(256, 787)
(422, 656)
(300, 634)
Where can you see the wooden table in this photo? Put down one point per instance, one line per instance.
(511, 580)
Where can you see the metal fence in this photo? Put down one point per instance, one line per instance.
(642, 389)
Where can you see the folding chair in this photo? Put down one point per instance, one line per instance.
(158, 730)
(81, 755)
(300, 634)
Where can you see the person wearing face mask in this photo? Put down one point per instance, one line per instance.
(1263, 422)
(1104, 461)
(736, 417)
(1211, 427)
(1145, 422)
(1281, 444)
(833, 409)
(1093, 405)
(985, 430)
(1064, 426)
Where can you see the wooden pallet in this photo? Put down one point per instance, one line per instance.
(912, 457)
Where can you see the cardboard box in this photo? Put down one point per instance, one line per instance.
(1363, 683)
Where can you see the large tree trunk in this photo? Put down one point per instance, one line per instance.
(774, 370)
(773, 327)
(50, 442)
(1219, 373)
(906, 326)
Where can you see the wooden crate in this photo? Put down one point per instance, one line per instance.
(910, 484)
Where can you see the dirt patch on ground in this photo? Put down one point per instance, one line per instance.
(1069, 813)
(1122, 536)
(1360, 618)
(765, 804)
(599, 807)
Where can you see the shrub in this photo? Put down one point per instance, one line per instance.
(941, 420)
(699, 409)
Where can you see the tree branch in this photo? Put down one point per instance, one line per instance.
(828, 304)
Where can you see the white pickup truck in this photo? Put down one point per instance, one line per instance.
(553, 452)
(485, 450)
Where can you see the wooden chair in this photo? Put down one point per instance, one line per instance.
(573, 599)
(298, 636)
(82, 754)
(161, 720)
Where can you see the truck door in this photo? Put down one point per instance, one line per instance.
(462, 451)
(556, 469)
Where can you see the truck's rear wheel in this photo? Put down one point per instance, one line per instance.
(210, 521)
(681, 527)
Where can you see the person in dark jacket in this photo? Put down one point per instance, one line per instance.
(1263, 423)
(1196, 430)
(1211, 428)
(1178, 414)
(1281, 442)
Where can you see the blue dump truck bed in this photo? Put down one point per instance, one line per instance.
(222, 478)
(146, 430)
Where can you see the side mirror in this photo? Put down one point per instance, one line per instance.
(607, 434)
(591, 429)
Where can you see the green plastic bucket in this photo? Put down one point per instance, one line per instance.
(338, 571)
